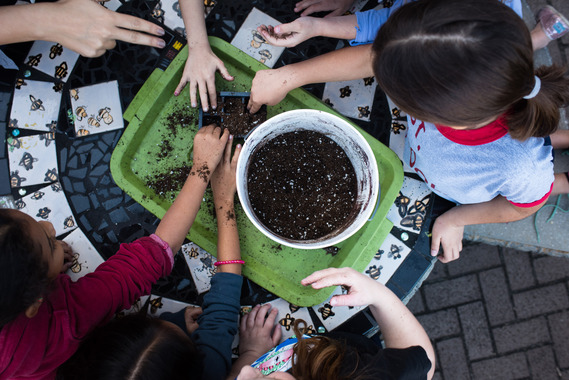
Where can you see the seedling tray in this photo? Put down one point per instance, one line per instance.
(139, 156)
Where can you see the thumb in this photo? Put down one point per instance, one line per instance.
(341, 300)
(285, 28)
(277, 333)
(223, 71)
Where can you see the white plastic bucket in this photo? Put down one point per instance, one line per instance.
(347, 137)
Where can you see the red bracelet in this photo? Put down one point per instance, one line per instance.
(218, 263)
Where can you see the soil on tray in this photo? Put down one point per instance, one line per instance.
(169, 184)
(179, 118)
(232, 113)
(302, 185)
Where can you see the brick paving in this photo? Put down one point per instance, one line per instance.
(497, 313)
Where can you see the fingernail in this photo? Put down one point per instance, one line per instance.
(161, 43)
(160, 32)
(333, 302)
(205, 109)
(176, 93)
(434, 252)
(213, 107)
(239, 146)
(230, 137)
(194, 105)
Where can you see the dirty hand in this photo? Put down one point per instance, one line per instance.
(90, 29)
(209, 145)
(223, 178)
(338, 7)
(67, 256)
(449, 235)
(255, 337)
(360, 286)
(268, 87)
(199, 72)
(291, 34)
(191, 316)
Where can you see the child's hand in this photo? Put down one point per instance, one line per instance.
(199, 72)
(209, 144)
(291, 34)
(223, 178)
(338, 7)
(450, 236)
(67, 256)
(191, 316)
(360, 286)
(255, 336)
(268, 87)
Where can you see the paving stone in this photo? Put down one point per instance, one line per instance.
(542, 364)
(506, 367)
(452, 292)
(476, 332)
(499, 305)
(541, 300)
(521, 335)
(474, 258)
(441, 324)
(518, 269)
(551, 268)
(559, 327)
(416, 304)
(452, 359)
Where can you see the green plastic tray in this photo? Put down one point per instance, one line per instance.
(276, 268)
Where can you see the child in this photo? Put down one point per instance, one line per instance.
(408, 354)
(202, 63)
(137, 347)
(44, 315)
(467, 65)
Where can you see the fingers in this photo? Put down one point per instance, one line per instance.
(223, 71)
(193, 312)
(227, 152)
(236, 154)
(193, 99)
(435, 245)
(330, 277)
(130, 28)
(301, 5)
(253, 106)
(277, 333)
(203, 95)
(138, 38)
(180, 87)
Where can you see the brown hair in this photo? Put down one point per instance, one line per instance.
(463, 62)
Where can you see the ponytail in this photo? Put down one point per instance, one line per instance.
(539, 115)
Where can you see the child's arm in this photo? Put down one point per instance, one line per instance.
(399, 327)
(202, 63)
(271, 86)
(449, 227)
(209, 144)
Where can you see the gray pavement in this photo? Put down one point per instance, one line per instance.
(499, 312)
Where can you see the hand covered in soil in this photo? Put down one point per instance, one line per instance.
(191, 317)
(90, 29)
(67, 256)
(449, 235)
(209, 145)
(338, 7)
(199, 72)
(360, 286)
(268, 87)
(223, 178)
(257, 332)
(291, 34)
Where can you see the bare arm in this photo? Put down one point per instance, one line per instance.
(83, 26)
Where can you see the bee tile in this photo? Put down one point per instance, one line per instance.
(52, 59)
(33, 160)
(352, 98)
(409, 209)
(387, 259)
(85, 257)
(157, 306)
(333, 316)
(96, 108)
(287, 314)
(35, 105)
(168, 13)
(201, 266)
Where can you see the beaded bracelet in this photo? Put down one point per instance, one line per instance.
(218, 263)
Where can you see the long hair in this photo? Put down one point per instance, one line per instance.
(463, 62)
(23, 271)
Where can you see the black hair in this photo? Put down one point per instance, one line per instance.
(23, 271)
(135, 347)
(463, 62)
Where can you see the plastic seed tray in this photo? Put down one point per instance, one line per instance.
(151, 146)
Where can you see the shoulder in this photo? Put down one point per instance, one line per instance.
(406, 363)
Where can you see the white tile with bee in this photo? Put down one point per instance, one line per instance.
(35, 105)
(85, 257)
(398, 132)
(158, 305)
(287, 314)
(201, 266)
(408, 212)
(252, 42)
(168, 12)
(49, 203)
(52, 59)
(96, 108)
(352, 98)
(32, 160)
(333, 316)
(387, 259)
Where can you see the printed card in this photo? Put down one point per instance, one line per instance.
(409, 209)
(287, 314)
(201, 266)
(351, 98)
(96, 108)
(252, 42)
(333, 316)
(85, 257)
(33, 159)
(387, 259)
(52, 59)
(49, 203)
(35, 105)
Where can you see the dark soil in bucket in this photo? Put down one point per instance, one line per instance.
(302, 185)
(232, 113)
